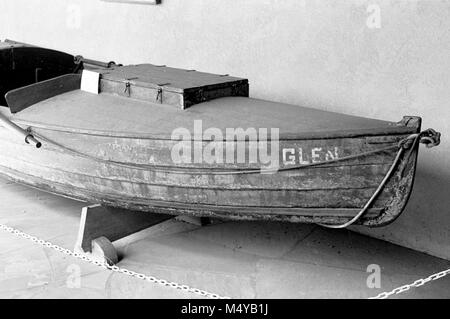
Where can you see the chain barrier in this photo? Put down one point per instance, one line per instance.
(186, 288)
(113, 268)
(415, 284)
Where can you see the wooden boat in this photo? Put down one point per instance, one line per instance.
(116, 147)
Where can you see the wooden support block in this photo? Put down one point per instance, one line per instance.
(104, 250)
(100, 226)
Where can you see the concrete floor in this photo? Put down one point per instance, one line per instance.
(241, 260)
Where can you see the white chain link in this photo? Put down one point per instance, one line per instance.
(165, 283)
(113, 268)
(415, 284)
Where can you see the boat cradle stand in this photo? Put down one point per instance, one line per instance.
(100, 226)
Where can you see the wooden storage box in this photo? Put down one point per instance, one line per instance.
(170, 86)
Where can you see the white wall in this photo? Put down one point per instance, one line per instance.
(318, 53)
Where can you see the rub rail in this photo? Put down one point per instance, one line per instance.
(25, 134)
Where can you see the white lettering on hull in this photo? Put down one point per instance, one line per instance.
(305, 156)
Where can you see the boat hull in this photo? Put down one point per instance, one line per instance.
(114, 150)
(137, 173)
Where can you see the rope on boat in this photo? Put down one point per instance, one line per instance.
(428, 137)
(373, 197)
(182, 170)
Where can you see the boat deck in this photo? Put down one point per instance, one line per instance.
(241, 260)
(80, 110)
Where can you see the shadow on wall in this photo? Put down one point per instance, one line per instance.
(425, 218)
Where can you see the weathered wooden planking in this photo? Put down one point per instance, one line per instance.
(121, 188)
(334, 186)
(333, 197)
(295, 214)
(149, 152)
(335, 177)
(230, 212)
(78, 170)
(149, 159)
(393, 193)
(21, 98)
